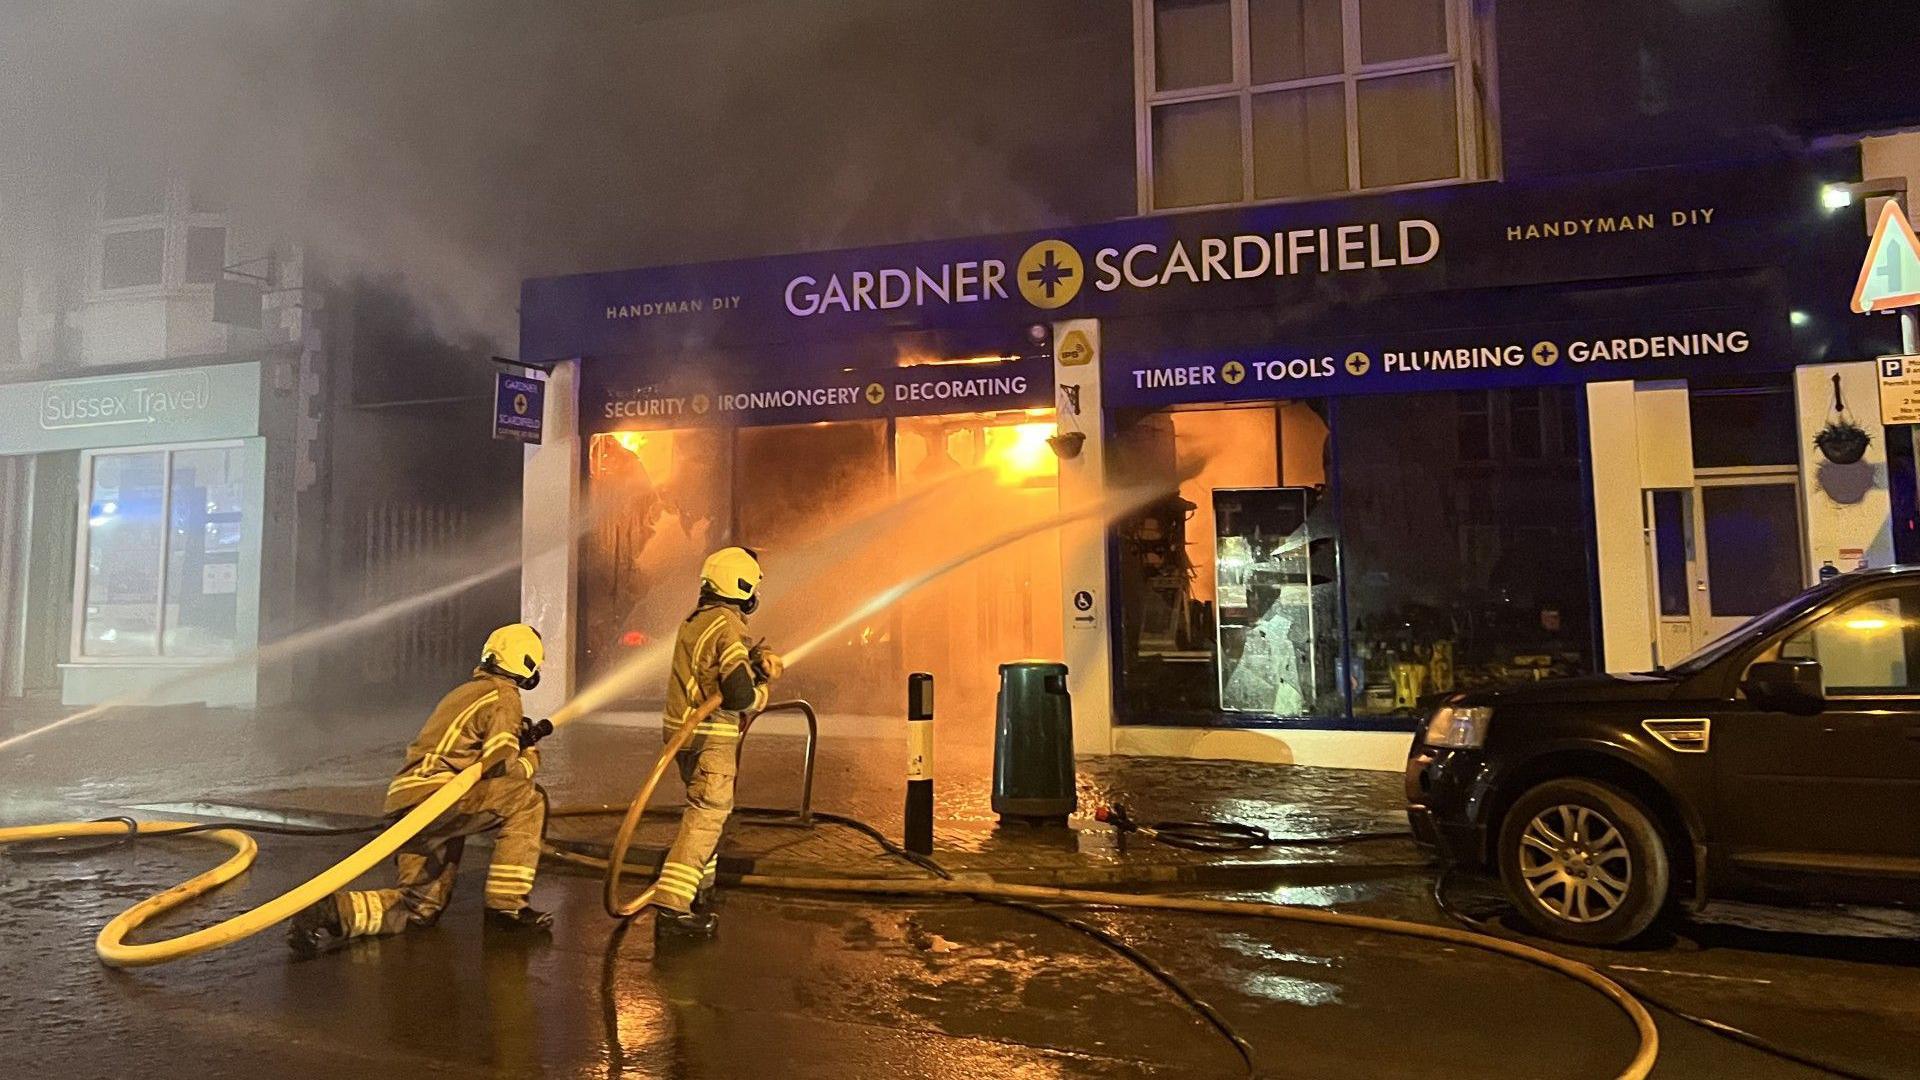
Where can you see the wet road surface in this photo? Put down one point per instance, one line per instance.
(811, 986)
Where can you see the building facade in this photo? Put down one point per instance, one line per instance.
(1445, 344)
(201, 454)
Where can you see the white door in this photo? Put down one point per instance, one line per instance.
(1720, 553)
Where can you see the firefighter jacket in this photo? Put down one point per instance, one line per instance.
(473, 720)
(710, 656)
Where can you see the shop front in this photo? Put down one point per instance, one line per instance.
(1397, 444)
(137, 509)
(832, 466)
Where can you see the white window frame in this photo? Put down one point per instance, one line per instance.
(76, 651)
(176, 216)
(1462, 57)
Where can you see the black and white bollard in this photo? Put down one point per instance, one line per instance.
(919, 838)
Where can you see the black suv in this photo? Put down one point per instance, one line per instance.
(1781, 762)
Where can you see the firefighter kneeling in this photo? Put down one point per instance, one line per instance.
(479, 716)
(710, 656)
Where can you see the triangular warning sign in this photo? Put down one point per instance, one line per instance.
(1890, 277)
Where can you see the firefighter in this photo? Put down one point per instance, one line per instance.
(711, 655)
(478, 717)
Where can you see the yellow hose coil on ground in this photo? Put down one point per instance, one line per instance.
(112, 946)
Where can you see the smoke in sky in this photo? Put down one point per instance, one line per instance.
(461, 145)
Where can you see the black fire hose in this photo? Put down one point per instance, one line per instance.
(1225, 835)
(1706, 1023)
(1205, 1011)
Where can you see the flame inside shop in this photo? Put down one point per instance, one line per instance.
(878, 499)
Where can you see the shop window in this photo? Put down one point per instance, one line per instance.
(1228, 587)
(1271, 587)
(1737, 426)
(207, 511)
(1246, 100)
(132, 257)
(206, 254)
(162, 550)
(1509, 602)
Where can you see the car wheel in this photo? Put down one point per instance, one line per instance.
(1584, 862)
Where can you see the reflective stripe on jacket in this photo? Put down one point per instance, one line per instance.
(711, 644)
(477, 717)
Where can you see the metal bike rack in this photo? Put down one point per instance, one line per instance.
(804, 819)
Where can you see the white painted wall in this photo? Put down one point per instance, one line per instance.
(1083, 544)
(1848, 512)
(1626, 637)
(1380, 750)
(551, 516)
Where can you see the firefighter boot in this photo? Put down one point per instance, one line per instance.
(670, 926)
(315, 928)
(525, 919)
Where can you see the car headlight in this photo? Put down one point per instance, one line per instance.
(1459, 728)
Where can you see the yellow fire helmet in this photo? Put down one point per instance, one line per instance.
(515, 650)
(732, 573)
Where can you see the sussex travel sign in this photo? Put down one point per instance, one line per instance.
(1297, 255)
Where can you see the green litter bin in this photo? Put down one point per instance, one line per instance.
(1033, 779)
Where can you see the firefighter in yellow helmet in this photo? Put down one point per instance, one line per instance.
(477, 718)
(711, 655)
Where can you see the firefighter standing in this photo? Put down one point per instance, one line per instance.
(710, 656)
(478, 717)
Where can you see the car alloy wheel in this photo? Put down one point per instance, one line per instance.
(1575, 863)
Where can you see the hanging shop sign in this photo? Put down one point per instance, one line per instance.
(1676, 345)
(619, 397)
(519, 408)
(1296, 256)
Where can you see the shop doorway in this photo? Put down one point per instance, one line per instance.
(1732, 545)
(1721, 552)
(837, 510)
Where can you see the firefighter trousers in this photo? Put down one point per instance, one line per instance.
(426, 867)
(709, 772)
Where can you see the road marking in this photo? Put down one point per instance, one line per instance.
(1690, 974)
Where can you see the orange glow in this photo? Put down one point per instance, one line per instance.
(1019, 454)
(614, 451)
(910, 360)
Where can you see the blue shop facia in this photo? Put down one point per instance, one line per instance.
(1403, 443)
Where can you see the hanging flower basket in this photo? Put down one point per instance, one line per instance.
(1842, 441)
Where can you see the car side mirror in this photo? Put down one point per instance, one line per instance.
(1786, 685)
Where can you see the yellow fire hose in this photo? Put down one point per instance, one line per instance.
(112, 947)
(622, 840)
(612, 866)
